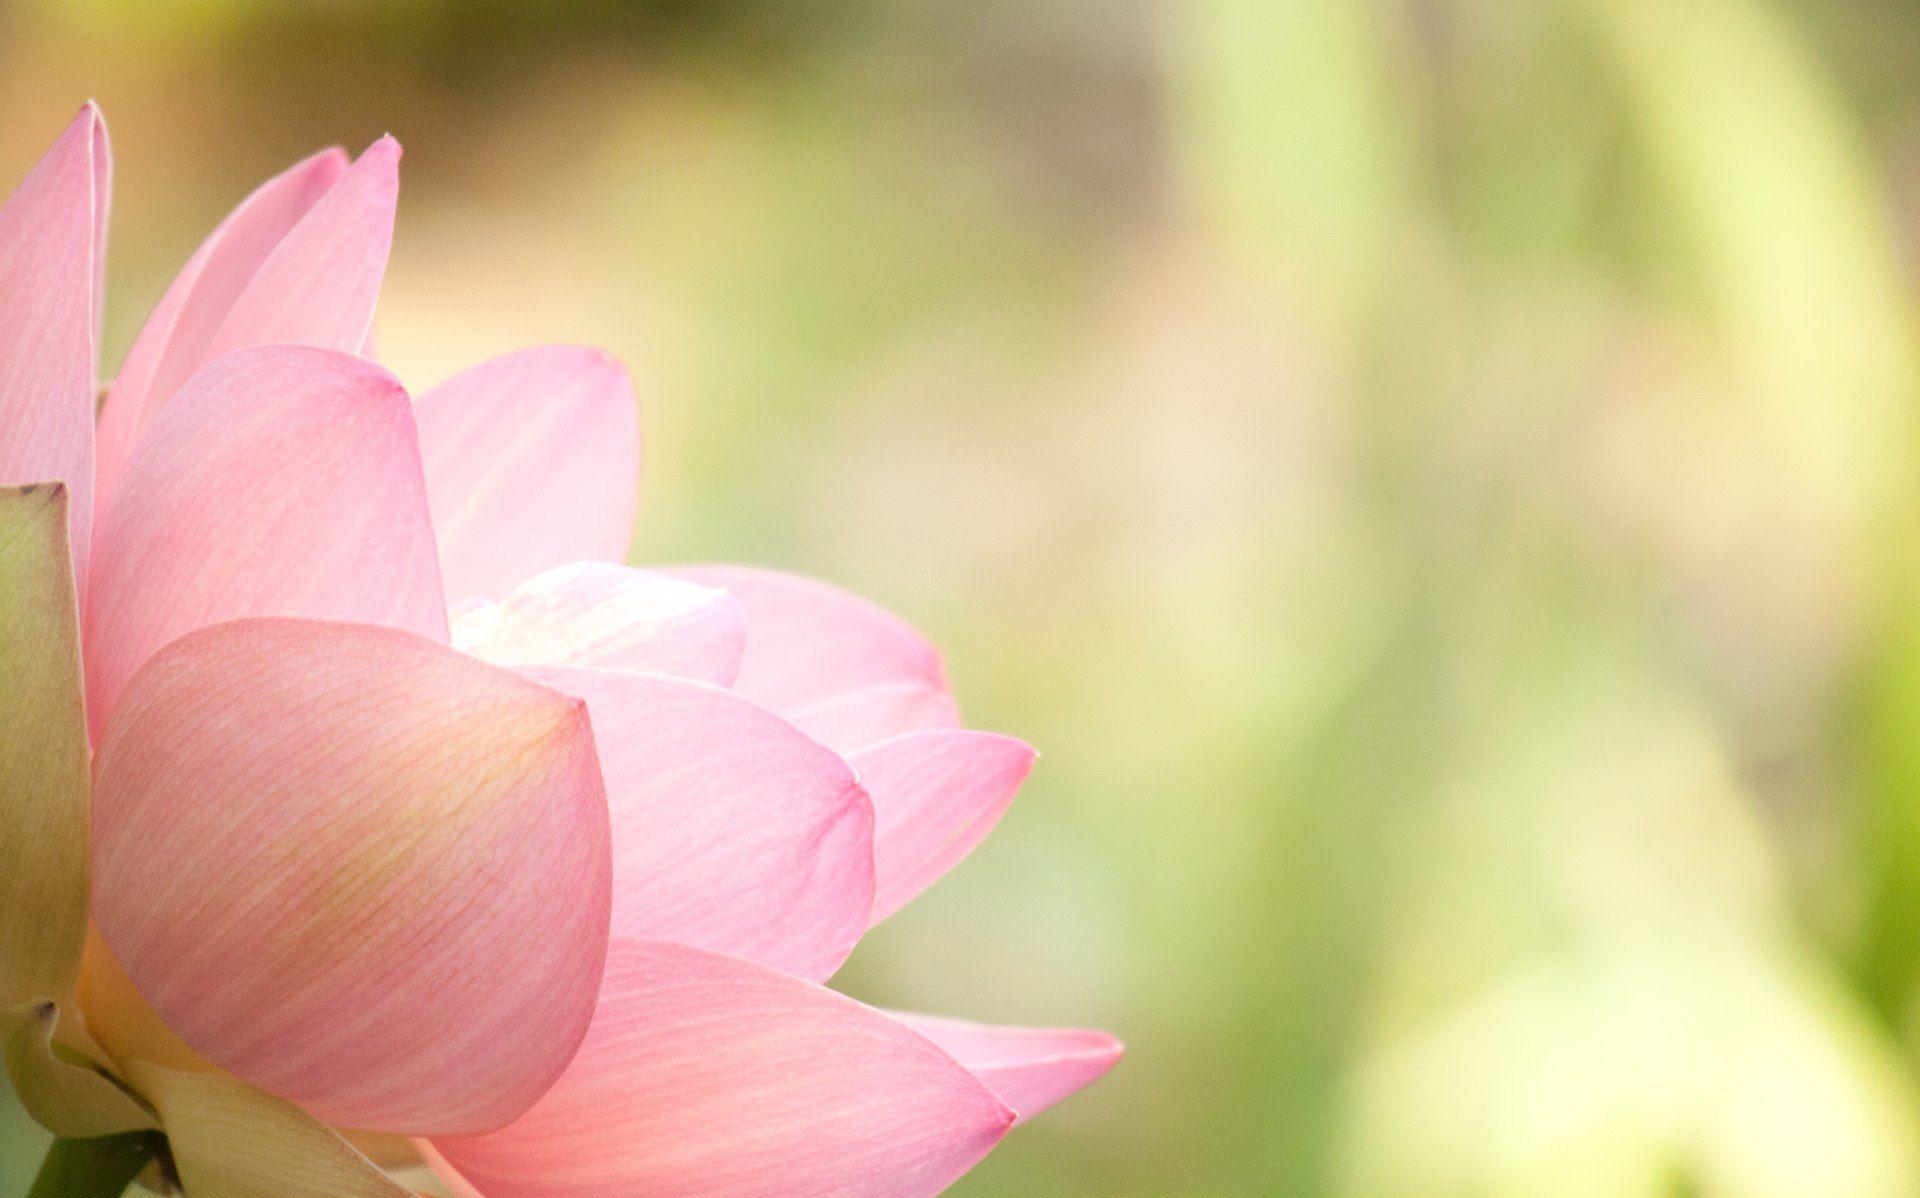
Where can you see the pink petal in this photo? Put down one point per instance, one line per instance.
(283, 480)
(936, 795)
(857, 718)
(807, 641)
(319, 285)
(174, 342)
(708, 1077)
(613, 617)
(533, 460)
(731, 830)
(1028, 1068)
(52, 232)
(357, 869)
(102, 152)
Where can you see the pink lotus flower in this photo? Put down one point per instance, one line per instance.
(548, 890)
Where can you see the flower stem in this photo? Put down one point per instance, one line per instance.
(94, 1168)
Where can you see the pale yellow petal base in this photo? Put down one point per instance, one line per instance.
(230, 1140)
(65, 1096)
(43, 752)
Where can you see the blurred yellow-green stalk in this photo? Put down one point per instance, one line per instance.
(1436, 478)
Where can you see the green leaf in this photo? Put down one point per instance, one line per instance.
(95, 1168)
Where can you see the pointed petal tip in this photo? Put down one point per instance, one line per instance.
(1029, 1069)
(1091, 1045)
(604, 359)
(575, 721)
(176, 341)
(778, 1087)
(386, 390)
(570, 356)
(599, 368)
(937, 793)
(1014, 750)
(731, 831)
(88, 121)
(334, 359)
(1082, 1058)
(363, 381)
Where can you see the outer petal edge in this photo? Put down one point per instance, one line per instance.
(708, 1076)
(357, 869)
(1028, 1068)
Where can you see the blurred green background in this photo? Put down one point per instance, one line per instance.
(1436, 478)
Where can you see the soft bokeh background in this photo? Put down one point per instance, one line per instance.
(1437, 478)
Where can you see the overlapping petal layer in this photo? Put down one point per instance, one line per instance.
(611, 617)
(52, 231)
(283, 480)
(319, 285)
(815, 651)
(936, 795)
(863, 716)
(174, 342)
(708, 1077)
(343, 873)
(1028, 1068)
(731, 830)
(533, 461)
(356, 868)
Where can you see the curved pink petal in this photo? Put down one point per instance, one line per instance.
(1028, 1068)
(808, 641)
(709, 1077)
(174, 342)
(533, 460)
(731, 830)
(282, 481)
(857, 718)
(611, 617)
(936, 795)
(356, 868)
(52, 231)
(319, 284)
